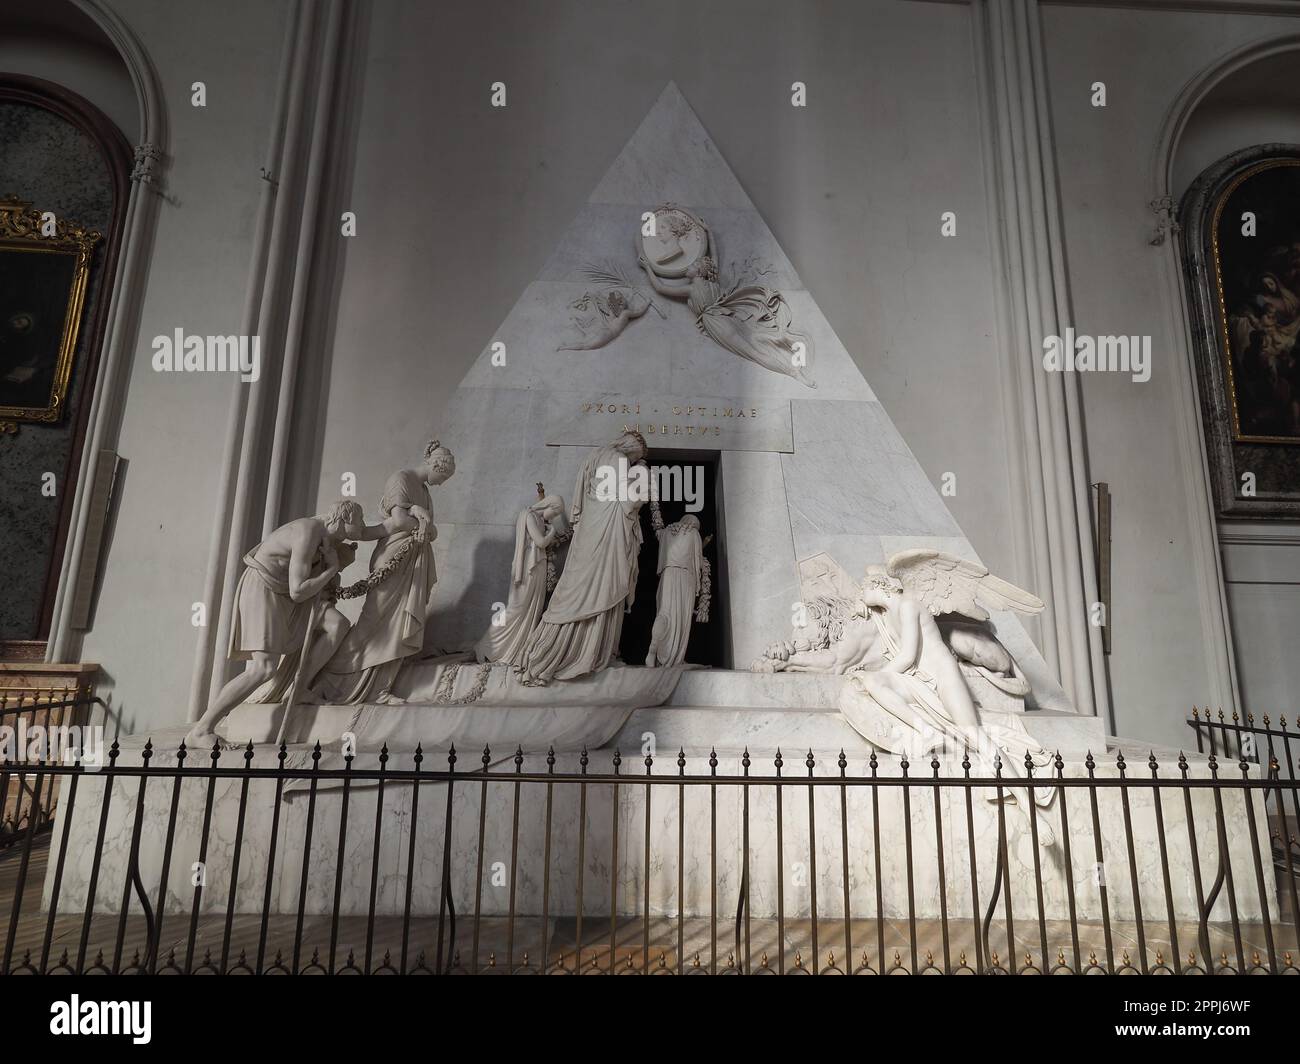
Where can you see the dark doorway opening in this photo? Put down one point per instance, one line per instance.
(710, 642)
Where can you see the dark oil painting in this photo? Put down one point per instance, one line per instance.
(1259, 287)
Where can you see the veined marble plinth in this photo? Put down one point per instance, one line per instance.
(796, 711)
(462, 702)
(683, 706)
(710, 859)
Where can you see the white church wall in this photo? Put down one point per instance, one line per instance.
(1105, 162)
(1261, 567)
(174, 424)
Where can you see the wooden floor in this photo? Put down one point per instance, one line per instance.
(107, 942)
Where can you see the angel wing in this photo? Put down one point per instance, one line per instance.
(945, 583)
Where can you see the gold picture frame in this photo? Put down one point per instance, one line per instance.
(1229, 347)
(41, 305)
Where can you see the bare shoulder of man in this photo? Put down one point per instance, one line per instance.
(301, 535)
(308, 531)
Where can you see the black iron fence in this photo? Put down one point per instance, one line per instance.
(1265, 744)
(1262, 743)
(259, 860)
(30, 720)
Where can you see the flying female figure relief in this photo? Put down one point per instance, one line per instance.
(750, 320)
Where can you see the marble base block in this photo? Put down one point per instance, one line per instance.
(787, 709)
(890, 830)
(451, 700)
(684, 705)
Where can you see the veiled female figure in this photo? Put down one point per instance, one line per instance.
(538, 527)
(391, 625)
(579, 632)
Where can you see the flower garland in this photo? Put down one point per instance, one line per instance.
(552, 574)
(372, 580)
(447, 681)
(706, 591)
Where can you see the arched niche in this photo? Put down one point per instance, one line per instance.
(1237, 146)
(75, 86)
(1229, 117)
(86, 49)
(63, 155)
(1240, 222)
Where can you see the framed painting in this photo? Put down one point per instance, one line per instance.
(44, 266)
(1241, 234)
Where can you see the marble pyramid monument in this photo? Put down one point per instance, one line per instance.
(805, 468)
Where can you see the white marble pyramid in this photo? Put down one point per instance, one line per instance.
(805, 471)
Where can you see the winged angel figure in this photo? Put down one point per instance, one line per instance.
(915, 699)
(598, 318)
